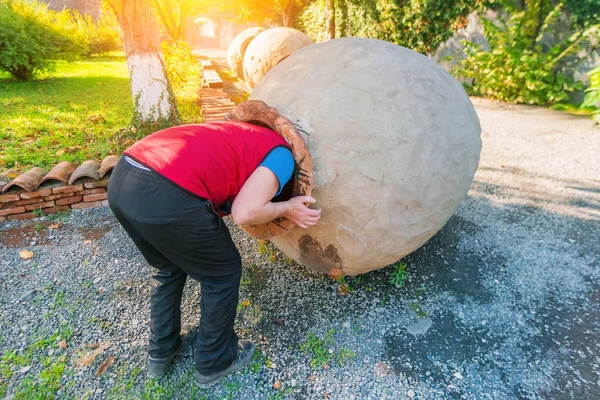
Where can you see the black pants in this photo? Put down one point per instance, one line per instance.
(180, 234)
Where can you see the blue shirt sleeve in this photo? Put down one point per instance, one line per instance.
(281, 162)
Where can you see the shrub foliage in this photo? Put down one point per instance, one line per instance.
(533, 46)
(421, 25)
(183, 70)
(592, 97)
(33, 37)
(528, 60)
(101, 37)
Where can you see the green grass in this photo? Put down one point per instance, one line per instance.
(72, 115)
(82, 111)
(573, 109)
(398, 275)
(227, 75)
(418, 310)
(321, 350)
(61, 216)
(43, 381)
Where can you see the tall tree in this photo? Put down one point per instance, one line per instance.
(330, 22)
(153, 98)
(172, 14)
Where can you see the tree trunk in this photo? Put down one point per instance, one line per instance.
(290, 12)
(153, 98)
(343, 23)
(541, 16)
(330, 15)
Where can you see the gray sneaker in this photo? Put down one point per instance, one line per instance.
(245, 354)
(158, 367)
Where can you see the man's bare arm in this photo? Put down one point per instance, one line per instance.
(253, 204)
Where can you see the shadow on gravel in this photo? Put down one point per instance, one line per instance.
(581, 195)
(552, 349)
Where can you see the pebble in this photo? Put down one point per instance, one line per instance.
(26, 295)
(411, 394)
(24, 370)
(420, 327)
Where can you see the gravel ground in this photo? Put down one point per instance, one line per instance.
(500, 304)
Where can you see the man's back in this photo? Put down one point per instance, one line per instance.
(210, 160)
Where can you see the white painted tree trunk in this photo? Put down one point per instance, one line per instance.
(152, 95)
(149, 86)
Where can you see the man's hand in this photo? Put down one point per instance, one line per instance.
(299, 213)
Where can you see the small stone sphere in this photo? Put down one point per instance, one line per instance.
(268, 49)
(237, 48)
(394, 140)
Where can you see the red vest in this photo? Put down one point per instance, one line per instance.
(211, 160)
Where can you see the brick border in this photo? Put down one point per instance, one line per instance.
(24, 205)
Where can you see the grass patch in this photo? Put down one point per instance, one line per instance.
(72, 115)
(398, 275)
(265, 248)
(239, 97)
(82, 111)
(43, 380)
(418, 310)
(61, 216)
(227, 75)
(573, 109)
(256, 362)
(321, 350)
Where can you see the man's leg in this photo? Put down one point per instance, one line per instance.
(200, 244)
(167, 282)
(217, 342)
(187, 231)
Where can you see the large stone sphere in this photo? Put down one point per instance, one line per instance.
(394, 141)
(268, 49)
(237, 49)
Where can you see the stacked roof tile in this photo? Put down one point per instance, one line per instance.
(65, 186)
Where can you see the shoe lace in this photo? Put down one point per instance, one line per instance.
(240, 351)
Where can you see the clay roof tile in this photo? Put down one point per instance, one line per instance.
(107, 165)
(88, 169)
(59, 174)
(27, 181)
(65, 173)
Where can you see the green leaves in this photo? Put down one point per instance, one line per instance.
(592, 96)
(420, 25)
(33, 37)
(518, 68)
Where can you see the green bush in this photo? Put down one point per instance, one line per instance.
(592, 97)
(183, 70)
(102, 37)
(182, 66)
(420, 25)
(33, 37)
(520, 65)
